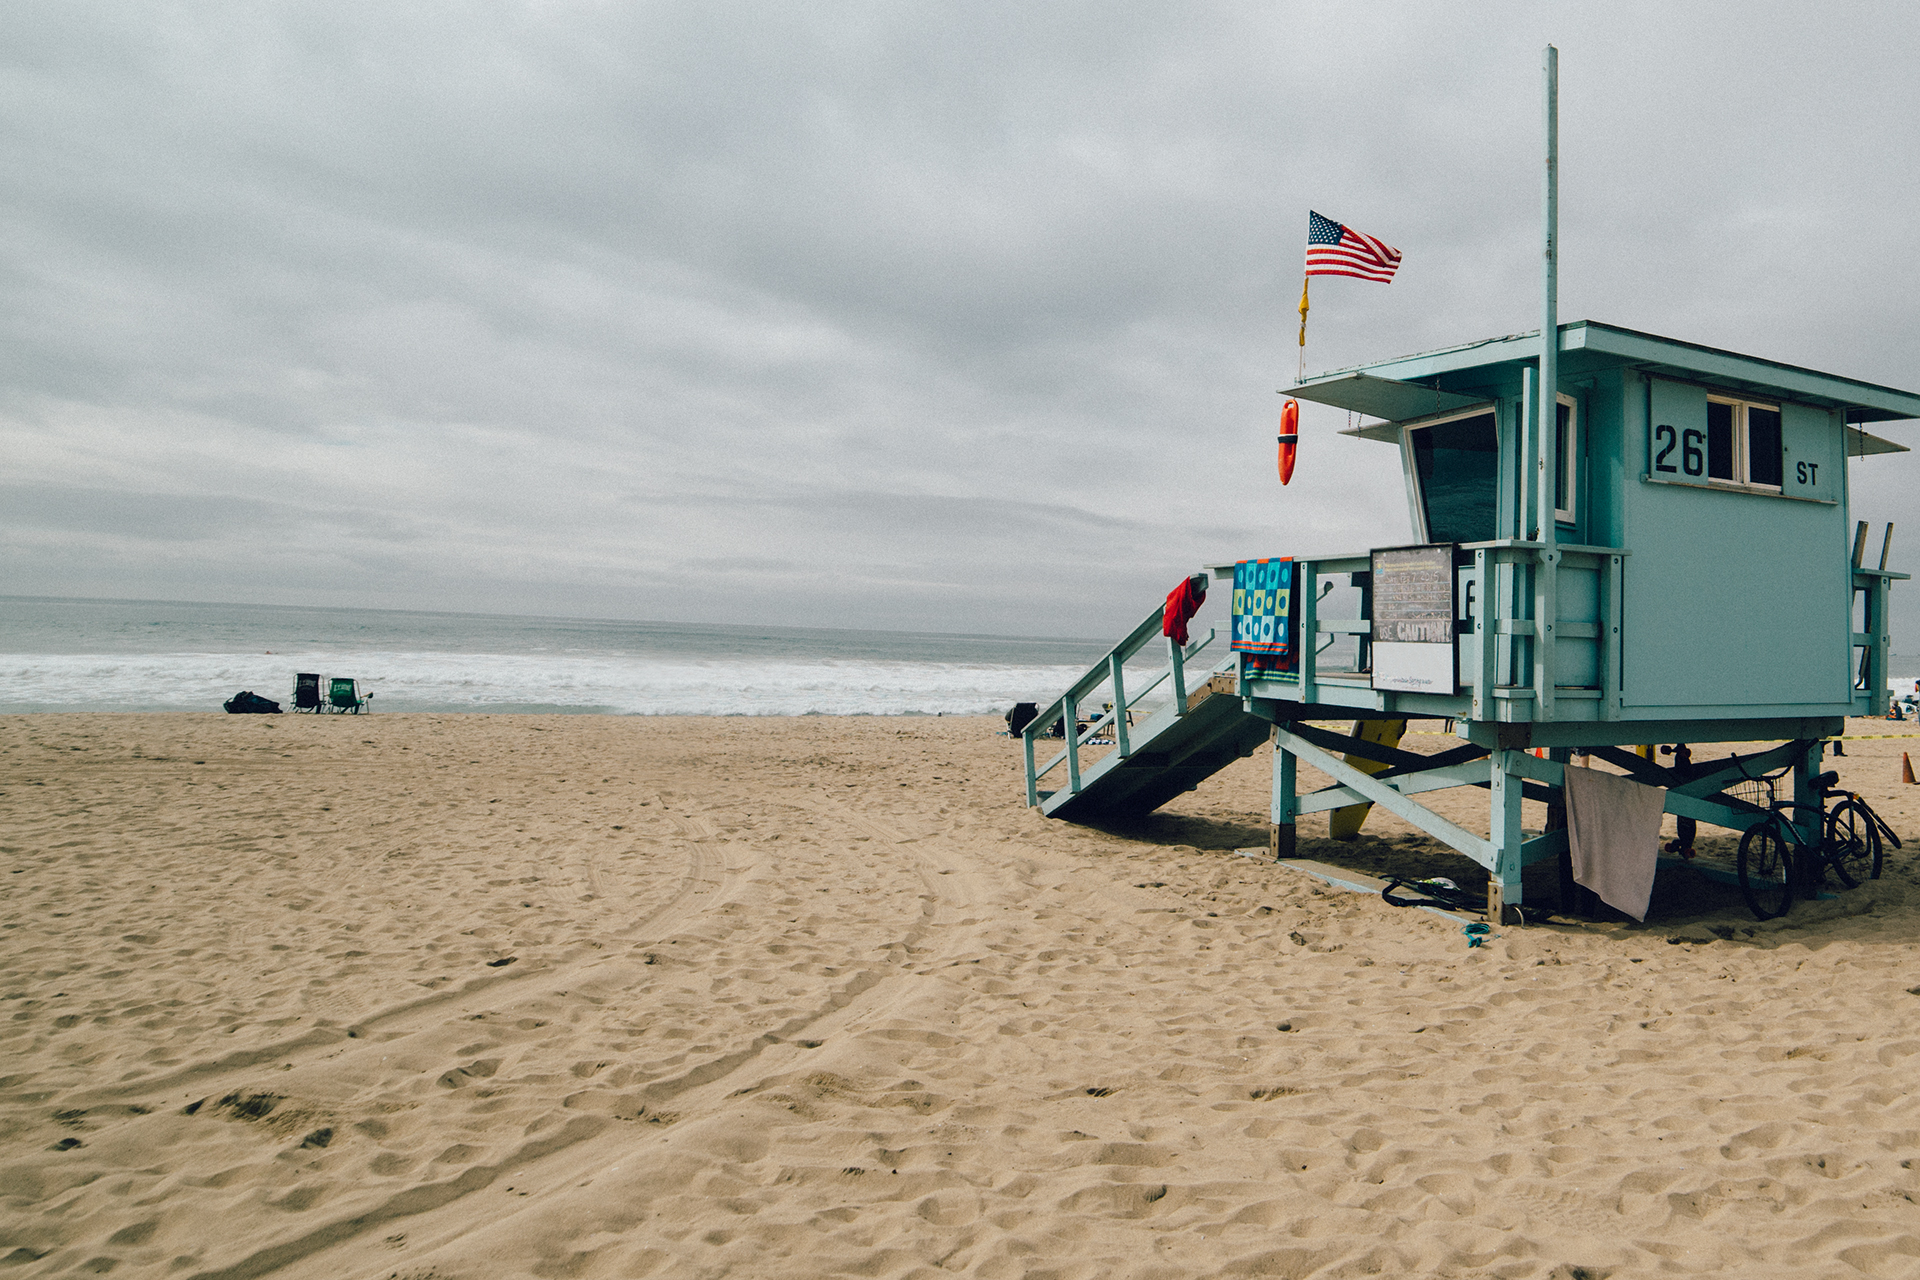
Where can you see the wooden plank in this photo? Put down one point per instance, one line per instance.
(1679, 801)
(1033, 780)
(1540, 847)
(1177, 663)
(1610, 642)
(1486, 578)
(1072, 714)
(1546, 605)
(1215, 686)
(1306, 576)
(1354, 745)
(1355, 882)
(1584, 734)
(1471, 773)
(1438, 760)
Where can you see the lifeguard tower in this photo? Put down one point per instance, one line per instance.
(1670, 562)
(1621, 539)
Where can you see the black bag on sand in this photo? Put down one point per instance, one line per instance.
(1441, 893)
(1020, 717)
(248, 703)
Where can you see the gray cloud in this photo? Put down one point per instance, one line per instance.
(951, 316)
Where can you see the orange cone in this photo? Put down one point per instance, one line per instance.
(1906, 769)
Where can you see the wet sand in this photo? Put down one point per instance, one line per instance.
(471, 996)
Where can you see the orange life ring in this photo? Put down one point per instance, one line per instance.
(1289, 438)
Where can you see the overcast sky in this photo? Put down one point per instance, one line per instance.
(960, 317)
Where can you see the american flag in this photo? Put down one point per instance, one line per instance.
(1334, 250)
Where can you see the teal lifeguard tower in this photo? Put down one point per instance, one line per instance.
(1620, 539)
(1672, 560)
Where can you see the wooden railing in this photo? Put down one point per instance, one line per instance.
(1871, 695)
(1110, 673)
(1510, 636)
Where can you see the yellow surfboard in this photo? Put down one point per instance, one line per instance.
(1344, 823)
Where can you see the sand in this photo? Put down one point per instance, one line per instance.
(468, 996)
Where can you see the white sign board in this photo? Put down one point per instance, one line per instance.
(1413, 612)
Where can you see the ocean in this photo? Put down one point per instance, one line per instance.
(136, 655)
(131, 655)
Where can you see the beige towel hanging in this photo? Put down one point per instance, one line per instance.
(1613, 827)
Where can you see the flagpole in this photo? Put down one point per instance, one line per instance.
(1304, 282)
(1545, 572)
(1548, 398)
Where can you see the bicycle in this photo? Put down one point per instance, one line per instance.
(1853, 837)
(1776, 858)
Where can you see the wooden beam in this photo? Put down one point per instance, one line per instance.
(1369, 788)
(1328, 740)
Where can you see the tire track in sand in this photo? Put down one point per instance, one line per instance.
(701, 887)
(950, 887)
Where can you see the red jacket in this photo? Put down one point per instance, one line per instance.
(1182, 603)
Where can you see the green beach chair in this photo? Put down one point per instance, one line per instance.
(344, 695)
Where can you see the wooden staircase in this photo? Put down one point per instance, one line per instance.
(1159, 746)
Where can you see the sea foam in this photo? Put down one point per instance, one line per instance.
(479, 682)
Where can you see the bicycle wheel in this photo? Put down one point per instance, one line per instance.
(1765, 864)
(1852, 846)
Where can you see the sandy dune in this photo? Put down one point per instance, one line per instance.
(452, 997)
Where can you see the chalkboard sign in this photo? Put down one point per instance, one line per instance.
(1413, 613)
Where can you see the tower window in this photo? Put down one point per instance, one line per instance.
(1739, 445)
(1743, 442)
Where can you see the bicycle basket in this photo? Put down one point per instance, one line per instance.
(1757, 792)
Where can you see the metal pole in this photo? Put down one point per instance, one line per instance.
(1545, 588)
(1548, 399)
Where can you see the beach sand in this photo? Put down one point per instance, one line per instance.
(497, 996)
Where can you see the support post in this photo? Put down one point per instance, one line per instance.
(1177, 666)
(1879, 633)
(1114, 666)
(1363, 647)
(1557, 821)
(1307, 615)
(1283, 814)
(1610, 642)
(1033, 783)
(1546, 612)
(1486, 579)
(1527, 514)
(1685, 830)
(1503, 877)
(1805, 765)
